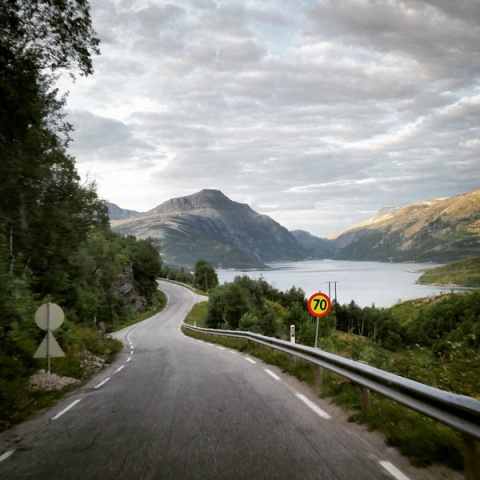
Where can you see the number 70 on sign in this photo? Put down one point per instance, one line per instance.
(319, 304)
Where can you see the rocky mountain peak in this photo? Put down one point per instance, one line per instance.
(209, 225)
(206, 199)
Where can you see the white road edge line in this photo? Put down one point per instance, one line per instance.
(312, 406)
(393, 470)
(234, 352)
(103, 383)
(65, 410)
(6, 455)
(250, 360)
(274, 375)
(118, 369)
(221, 348)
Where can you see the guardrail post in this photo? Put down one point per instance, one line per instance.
(319, 376)
(471, 458)
(364, 398)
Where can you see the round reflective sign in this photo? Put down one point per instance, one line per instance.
(49, 315)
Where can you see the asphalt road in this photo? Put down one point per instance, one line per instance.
(171, 407)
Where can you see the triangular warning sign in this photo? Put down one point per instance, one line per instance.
(49, 344)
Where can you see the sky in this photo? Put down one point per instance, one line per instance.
(316, 113)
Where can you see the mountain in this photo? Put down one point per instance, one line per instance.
(316, 247)
(209, 225)
(442, 230)
(117, 213)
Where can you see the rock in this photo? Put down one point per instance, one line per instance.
(49, 382)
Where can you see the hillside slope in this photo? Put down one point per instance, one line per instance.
(465, 273)
(441, 230)
(209, 225)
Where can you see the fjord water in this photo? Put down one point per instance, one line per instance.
(367, 283)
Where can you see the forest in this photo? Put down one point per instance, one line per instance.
(55, 240)
(440, 334)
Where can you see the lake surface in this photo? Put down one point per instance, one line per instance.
(367, 283)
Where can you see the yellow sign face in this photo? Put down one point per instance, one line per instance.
(319, 304)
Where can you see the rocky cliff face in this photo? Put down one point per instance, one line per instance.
(209, 225)
(126, 290)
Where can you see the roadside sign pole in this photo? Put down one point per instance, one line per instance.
(48, 338)
(319, 305)
(49, 317)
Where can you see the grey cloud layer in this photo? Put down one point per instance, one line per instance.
(299, 109)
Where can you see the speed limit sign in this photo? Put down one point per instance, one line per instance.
(319, 304)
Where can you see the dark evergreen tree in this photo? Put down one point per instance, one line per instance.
(205, 276)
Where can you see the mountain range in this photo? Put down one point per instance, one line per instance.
(209, 225)
(229, 234)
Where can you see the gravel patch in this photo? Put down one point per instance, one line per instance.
(49, 382)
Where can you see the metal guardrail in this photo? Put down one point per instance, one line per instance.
(459, 412)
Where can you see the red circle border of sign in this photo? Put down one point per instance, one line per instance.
(326, 297)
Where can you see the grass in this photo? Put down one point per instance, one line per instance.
(465, 273)
(198, 314)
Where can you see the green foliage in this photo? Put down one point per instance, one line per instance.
(146, 266)
(255, 306)
(465, 273)
(55, 240)
(421, 439)
(206, 278)
(178, 275)
(226, 306)
(54, 33)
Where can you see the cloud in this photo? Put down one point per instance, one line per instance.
(299, 109)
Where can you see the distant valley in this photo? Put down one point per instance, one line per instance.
(229, 234)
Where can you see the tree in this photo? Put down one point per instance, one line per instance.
(55, 34)
(45, 214)
(205, 276)
(227, 304)
(147, 266)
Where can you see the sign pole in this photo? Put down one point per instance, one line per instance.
(49, 317)
(48, 338)
(319, 305)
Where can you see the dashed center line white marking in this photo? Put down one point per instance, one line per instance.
(118, 369)
(131, 352)
(312, 406)
(65, 410)
(128, 359)
(393, 471)
(250, 360)
(6, 455)
(103, 383)
(274, 375)
(221, 348)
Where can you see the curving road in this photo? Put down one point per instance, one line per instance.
(172, 407)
